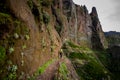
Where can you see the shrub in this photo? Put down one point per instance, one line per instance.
(16, 36)
(2, 54)
(11, 50)
(4, 18)
(46, 18)
(12, 73)
(27, 37)
(45, 3)
(30, 4)
(62, 72)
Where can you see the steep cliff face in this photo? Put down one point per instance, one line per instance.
(78, 21)
(29, 37)
(81, 27)
(98, 38)
(32, 32)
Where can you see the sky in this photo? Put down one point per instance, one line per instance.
(108, 12)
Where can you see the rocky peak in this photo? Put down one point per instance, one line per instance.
(98, 38)
(94, 12)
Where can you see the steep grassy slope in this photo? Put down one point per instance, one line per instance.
(89, 64)
(113, 39)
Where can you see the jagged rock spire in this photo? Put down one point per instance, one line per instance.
(94, 12)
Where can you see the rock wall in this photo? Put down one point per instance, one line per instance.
(78, 25)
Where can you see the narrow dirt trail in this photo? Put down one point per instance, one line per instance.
(50, 71)
(73, 75)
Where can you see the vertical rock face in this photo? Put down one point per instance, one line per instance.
(81, 27)
(98, 38)
(75, 24)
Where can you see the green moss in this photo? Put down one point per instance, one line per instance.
(44, 67)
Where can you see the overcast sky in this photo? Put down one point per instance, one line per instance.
(108, 12)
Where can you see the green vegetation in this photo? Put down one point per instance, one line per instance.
(27, 37)
(44, 67)
(12, 73)
(58, 28)
(11, 31)
(87, 64)
(41, 69)
(46, 17)
(24, 46)
(45, 3)
(62, 72)
(43, 42)
(11, 50)
(30, 4)
(113, 39)
(2, 54)
(4, 18)
(16, 36)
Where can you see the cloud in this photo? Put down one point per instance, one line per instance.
(116, 13)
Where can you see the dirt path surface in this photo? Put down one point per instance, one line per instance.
(50, 71)
(73, 75)
(53, 68)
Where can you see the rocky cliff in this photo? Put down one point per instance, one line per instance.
(80, 26)
(32, 32)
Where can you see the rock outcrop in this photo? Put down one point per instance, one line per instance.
(79, 26)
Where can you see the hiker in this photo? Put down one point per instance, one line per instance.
(61, 53)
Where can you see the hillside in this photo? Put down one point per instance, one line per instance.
(51, 40)
(113, 38)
